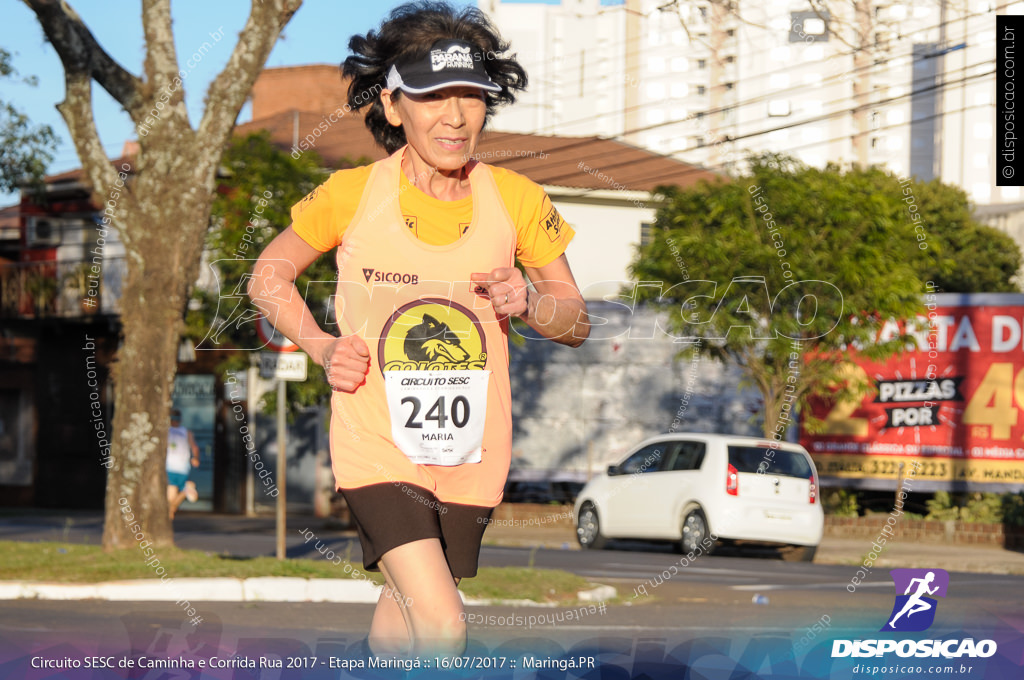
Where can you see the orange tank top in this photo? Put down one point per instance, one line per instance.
(435, 409)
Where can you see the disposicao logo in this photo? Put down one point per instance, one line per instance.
(914, 611)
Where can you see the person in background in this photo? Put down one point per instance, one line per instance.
(182, 456)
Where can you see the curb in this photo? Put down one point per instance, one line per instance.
(259, 589)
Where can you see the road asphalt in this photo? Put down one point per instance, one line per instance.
(248, 536)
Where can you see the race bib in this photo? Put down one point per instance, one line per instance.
(438, 417)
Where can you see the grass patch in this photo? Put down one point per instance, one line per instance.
(524, 583)
(77, 563)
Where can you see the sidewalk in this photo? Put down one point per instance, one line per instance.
(250, 536)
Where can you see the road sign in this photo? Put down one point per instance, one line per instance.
(282, 367)
(291, 366)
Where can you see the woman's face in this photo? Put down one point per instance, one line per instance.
(442, 126)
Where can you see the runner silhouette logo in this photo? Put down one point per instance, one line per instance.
(914, 610)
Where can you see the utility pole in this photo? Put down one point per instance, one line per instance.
(631, 81)
(940, 93)
(717, 86)
(863, 57)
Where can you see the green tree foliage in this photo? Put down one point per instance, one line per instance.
(25, 150)
(972, 507)
(253, 204)
(963, 256)
(782, 270)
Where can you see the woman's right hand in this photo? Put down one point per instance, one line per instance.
(346, 361)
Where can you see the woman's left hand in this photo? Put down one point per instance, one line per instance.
(507, 289)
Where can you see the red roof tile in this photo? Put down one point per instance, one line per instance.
(581, 162)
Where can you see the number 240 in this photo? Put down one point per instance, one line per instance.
(459, 414)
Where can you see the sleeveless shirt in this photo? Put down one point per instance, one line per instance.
(419, 314)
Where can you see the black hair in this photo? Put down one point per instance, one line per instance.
(407, 33)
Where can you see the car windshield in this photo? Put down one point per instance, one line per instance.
(773, 461)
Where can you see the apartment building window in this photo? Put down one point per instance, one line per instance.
(702, 63)
(701, 89)
(813, 107)
(814, 26)
(808, 27)
(646, 233)
(655, 116)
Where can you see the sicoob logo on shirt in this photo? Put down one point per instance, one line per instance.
(432, 334)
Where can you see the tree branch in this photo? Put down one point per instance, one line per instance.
(100, 174)
(80, 53)
(161, 65)
(230, 88)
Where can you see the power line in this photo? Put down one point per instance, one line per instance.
(761, 98)
(833, 114)
(552, 128)
(935, 87)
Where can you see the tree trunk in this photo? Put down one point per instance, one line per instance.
(161, 215)
(772, 406)
(175, 210)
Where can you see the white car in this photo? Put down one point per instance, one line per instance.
(703, 489)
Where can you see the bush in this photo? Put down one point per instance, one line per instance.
(840, 503)
(983, 507)
(1013, 509)
(941, 507)
(973, 507)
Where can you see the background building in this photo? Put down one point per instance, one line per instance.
(909, 87)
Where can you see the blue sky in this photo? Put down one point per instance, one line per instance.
(318, 33)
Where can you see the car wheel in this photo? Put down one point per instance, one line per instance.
(695, 533)
(588, 528)
(799, 553)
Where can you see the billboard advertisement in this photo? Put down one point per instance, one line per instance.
(953, 407)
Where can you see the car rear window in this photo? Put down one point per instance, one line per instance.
(774, 461)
